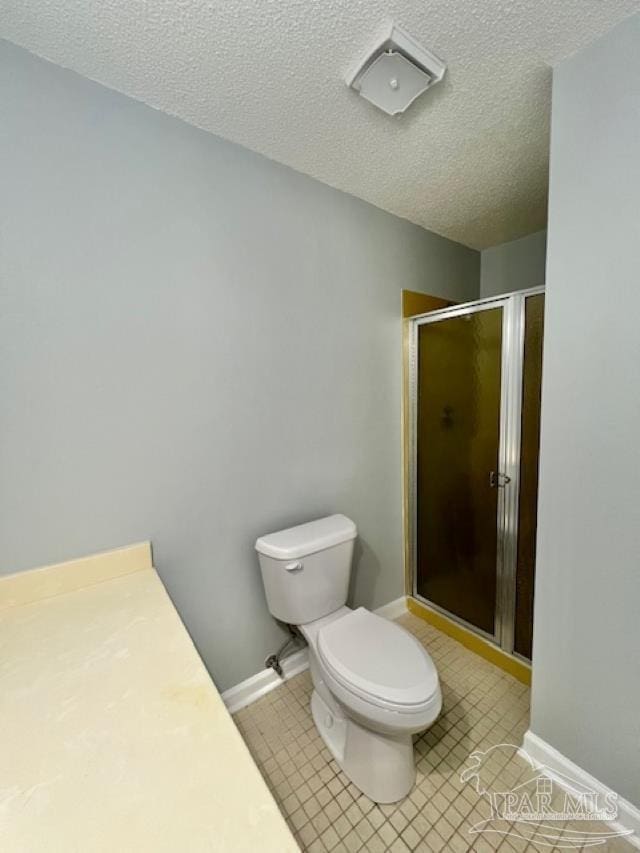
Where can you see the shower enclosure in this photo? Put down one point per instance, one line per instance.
(474, 394)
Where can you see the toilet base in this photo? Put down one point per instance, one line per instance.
(380, 765)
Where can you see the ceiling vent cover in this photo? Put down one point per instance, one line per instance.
(396, 71)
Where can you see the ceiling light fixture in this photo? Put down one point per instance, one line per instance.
(396, 71)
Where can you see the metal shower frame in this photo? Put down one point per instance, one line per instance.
(513, 329)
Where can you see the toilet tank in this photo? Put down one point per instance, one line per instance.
(306, 569)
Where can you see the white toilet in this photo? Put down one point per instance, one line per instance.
(374, 684)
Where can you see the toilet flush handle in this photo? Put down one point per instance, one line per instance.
(293, 567)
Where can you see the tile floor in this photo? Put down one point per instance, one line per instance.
(483, 707)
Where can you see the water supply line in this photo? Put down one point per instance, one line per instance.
(274, 661)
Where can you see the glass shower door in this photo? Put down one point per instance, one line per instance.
(475, 380)
(528, 473)
(457, 450)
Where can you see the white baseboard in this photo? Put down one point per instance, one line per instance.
(263, 682)
(559, 767)
(266, 680)
(393, 609)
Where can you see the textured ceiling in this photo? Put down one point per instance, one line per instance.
(469, 158)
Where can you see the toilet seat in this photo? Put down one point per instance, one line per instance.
(379, 662)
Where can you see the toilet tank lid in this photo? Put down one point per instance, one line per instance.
(305, 539)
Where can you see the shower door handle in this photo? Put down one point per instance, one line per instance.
(498, 480)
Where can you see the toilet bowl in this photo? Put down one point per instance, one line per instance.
(374, 684)
(374, 687)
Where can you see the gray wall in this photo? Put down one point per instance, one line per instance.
(197, 346)
(516, 265)
(586, 657)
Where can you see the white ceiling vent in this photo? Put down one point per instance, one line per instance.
(396, 71)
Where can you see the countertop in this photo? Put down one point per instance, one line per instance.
(114, 737)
